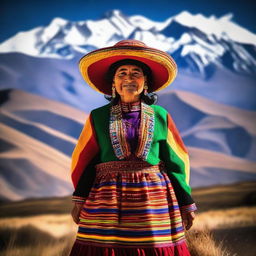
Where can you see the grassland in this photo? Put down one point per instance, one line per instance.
(225, 224)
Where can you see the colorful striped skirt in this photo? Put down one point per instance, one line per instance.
(131, 210)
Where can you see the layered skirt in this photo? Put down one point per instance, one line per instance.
(131, 210)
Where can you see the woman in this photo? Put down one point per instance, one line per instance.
(130, 168)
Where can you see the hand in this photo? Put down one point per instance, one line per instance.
(75, 213)
(187, 219)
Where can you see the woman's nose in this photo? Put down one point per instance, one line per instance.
(129, 77)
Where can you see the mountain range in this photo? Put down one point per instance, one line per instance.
(44, 101)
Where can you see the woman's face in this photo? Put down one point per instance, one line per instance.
(129, 82)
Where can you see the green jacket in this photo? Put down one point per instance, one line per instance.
(160, 142)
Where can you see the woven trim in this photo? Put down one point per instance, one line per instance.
(146, 131)
(125, 246)
(118, 136)
(78, 199)
(118, 133)
(127, 166)
(188, 208)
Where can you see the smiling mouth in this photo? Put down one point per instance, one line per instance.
(130, 86)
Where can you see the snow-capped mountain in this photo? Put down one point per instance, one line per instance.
(214, 55)
(200, 42)
(212, 99)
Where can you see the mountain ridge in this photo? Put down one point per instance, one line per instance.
(215, 37)
(34, 160)
(45, 102)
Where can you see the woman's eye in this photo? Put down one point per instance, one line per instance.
(134, 74)
(137, 74)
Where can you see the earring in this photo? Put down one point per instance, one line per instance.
(145, 88)
(113, 92)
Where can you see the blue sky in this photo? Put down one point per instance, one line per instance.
(22, 15)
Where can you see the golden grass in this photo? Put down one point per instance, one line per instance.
(228, 218)
(57, 225)
(53, 235)
(222, 217)
(37, 206)
(202, 243)
(40, 245)
(200, 238)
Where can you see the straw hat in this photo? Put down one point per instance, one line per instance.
(94, 65)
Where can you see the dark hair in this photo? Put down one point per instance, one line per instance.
(150, 98)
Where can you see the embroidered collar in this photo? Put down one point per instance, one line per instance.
(130, 107)
(118, 132)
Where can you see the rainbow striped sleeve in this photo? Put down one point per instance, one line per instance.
(179, 151)
(176, 160)
(85, 150)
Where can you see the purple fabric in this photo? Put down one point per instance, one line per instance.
(132, 123)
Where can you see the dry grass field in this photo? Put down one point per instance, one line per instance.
(225, 224)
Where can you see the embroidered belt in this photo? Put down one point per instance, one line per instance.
(127, 166)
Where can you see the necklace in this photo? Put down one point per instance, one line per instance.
(130, 107)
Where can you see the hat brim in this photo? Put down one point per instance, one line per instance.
(94, 66)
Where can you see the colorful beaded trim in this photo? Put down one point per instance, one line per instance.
(146, 131)
(118, 132)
